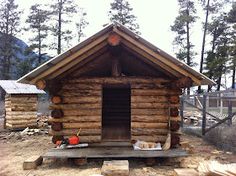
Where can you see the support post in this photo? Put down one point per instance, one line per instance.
(230, 112)
(182, 110)
(204, 115)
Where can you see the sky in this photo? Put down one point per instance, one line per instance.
(153, 16)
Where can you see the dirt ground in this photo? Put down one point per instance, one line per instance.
(14, 151)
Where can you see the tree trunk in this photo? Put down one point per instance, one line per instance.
(233, 77)
(203, 40)
(59, 28)
(188, 49)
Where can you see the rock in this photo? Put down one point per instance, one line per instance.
(115, 168)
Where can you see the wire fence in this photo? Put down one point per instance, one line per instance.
(209, 110)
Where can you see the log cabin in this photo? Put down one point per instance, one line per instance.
(115, 86)
(20, 104)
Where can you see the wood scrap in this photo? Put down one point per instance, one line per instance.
(215, 168)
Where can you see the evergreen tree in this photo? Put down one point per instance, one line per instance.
(120, 12)
(38, 26)
(182, 26)
(217, 58)
(9, 23)
(62, 11)
(81, 24)
(232, 50)
(210, 7)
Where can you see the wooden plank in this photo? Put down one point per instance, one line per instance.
(186, 172)
(112, 152)
(32, 162)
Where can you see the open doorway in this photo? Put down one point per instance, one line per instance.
(116, 114)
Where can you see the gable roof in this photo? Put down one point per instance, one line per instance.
(78, 53)
(12, 87)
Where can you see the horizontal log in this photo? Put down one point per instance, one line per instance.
(81, 99)
(147, 86)
(20, 117)
(148, 125)
(21, 122)
(13, 126)
(76, 106)
(149, 112)
(83, 112)
(182, 83)
(83, 125)
(20, 113)
(150, 131)
(77, 119)
(154, 92)
(79, 92)
(149, 99)
(148, 105)
(149, 118)
(178, 118)
(71, 132)
(119, 80)
(148, 138)
(91, 86)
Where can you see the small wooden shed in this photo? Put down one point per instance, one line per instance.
(20, 104)
(115, 86)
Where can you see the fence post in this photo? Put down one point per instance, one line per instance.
(204, 115)
(182, 110)
(230, 112)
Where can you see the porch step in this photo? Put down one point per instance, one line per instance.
(115, 168)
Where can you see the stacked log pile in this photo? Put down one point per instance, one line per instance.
(21, 110)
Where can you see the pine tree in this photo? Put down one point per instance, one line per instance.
(38, 26)
(62, 11)
(120, 12)
(217, 58)
(182, 26)
(9, 23)
(81, 24)
(232, 21)
(210, 7)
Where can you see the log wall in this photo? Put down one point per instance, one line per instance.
(82, 108)
(21, 111)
